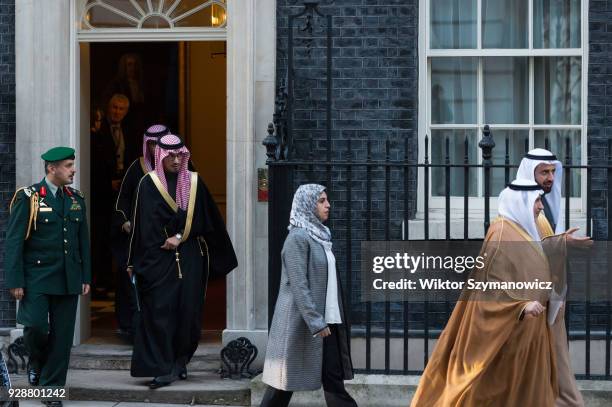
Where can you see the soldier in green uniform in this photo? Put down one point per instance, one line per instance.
(47, 265)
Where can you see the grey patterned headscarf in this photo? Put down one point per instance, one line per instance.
(304, 212)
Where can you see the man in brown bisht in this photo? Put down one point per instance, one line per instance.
(496, 349)
(542, 166)
(178, 240)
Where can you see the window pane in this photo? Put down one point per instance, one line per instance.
(518, 145)
(453, 24)
(556, 24)
(557, 90)
(506, 90)
(557, 143)
(211, 16)
(457, 156)
(124, 6)
(504, 24)
(101, 17)
(453, 90)
(155, 22)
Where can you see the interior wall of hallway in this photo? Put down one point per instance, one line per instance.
(207, 106)
(205, 132)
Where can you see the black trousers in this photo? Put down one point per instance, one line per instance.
(332, 379)
(125, 299)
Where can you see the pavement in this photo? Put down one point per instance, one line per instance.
(31, 403)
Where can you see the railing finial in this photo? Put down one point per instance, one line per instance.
(486, 144)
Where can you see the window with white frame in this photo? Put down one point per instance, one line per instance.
(153, 14)
(516, 65)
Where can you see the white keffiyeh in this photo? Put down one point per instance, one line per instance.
(526, 170)
(516, 203)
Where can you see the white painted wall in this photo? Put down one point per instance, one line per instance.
(251, 70)
(42, 64)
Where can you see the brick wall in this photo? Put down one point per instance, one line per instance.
(600, 105)
(7, 142)
(375, 97)
(599, 136)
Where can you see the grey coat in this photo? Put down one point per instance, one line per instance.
(294, 357)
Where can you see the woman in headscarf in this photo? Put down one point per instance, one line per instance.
(308, 345)
(497, 349)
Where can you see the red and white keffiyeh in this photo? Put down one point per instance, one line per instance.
(165, 145)
(153, 133)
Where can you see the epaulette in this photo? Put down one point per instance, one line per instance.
(32, 195)
(28, 191)
(76, 191)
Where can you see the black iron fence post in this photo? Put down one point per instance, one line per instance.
(271, 143)
(487, 144)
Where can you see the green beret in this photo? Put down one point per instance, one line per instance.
(58, 154)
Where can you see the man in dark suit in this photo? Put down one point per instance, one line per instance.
(112, 150)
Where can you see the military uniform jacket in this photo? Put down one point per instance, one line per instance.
(55, 258)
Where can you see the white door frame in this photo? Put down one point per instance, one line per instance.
(240, 37)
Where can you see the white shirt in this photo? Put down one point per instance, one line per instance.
(332, 309)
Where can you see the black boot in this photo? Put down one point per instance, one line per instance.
(183, 373)
(33, 374)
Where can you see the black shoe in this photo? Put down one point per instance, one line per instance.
(56, 403)
(183, 374)
(33, 376)
(161, 381)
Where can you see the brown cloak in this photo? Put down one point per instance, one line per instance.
(487, 355)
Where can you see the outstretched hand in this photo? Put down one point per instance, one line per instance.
(579, 242)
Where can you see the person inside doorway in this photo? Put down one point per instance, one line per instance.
(129, 81)
(111, 151)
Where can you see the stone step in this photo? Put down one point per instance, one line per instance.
(118, 386)
(118, 357)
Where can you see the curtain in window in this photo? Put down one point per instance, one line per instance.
(504, 24)
(453, 24)
(558, 88)
(556, 24)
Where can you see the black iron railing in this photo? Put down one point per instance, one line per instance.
(373, 188)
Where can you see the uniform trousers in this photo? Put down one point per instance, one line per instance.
(332, 379)
(48, 331)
